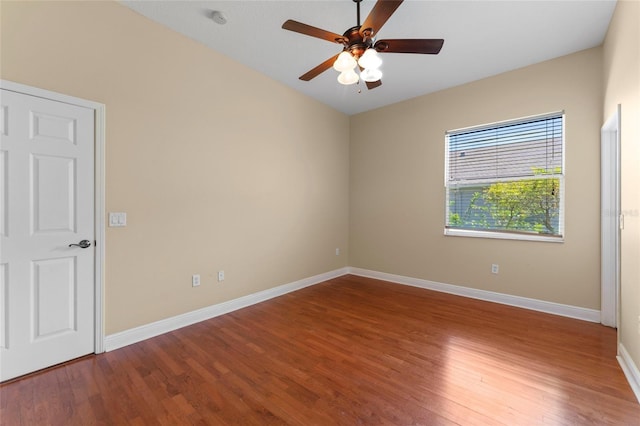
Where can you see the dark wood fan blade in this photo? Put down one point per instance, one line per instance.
(319, 69)
(373, 84)
(430, 46)
(380, 13)
(299, 27)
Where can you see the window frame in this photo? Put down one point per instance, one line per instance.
(507, 234)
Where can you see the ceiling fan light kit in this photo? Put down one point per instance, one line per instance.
(348, 77)
(370, 59)
(360, 47)
(344, 62)
(369, 75)
(369, 63)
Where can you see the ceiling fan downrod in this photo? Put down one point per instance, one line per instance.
(353, 40)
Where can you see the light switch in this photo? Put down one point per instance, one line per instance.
(117, 219)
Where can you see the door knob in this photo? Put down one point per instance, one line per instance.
(82, 244)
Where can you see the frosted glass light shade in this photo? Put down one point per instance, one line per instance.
(370, 59)
(371, 74)
(348, 77)
(344, 62)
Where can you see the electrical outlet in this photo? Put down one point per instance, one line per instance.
(195, 280)
(337, 252)
(220, 276)
(495, 268)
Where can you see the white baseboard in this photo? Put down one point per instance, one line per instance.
(138, 334)
(630, 370)
(584, 314)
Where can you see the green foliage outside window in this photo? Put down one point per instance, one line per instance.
(530, 205)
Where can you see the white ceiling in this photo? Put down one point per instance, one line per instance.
(482, 38)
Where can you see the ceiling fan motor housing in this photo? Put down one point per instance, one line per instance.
(355, 43)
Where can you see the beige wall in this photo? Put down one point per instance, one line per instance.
(622, 86)
(397, 185)
(217, 166)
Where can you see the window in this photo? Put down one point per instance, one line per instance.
(506, 180)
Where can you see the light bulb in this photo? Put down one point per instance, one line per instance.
(370, 59)
(348, 77)
(344, 62)
(371, 74)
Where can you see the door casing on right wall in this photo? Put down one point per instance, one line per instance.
(612, 220)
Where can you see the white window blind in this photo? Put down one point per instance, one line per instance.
(507, 177)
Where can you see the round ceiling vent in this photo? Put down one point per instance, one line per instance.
(218, 17)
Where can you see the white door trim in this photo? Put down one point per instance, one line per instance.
(610, 220)
(99, 192)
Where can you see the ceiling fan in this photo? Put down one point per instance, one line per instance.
(360, 47)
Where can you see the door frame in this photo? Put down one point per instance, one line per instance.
(611, 220)
(98, 193)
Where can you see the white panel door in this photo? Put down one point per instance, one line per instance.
(47, 203)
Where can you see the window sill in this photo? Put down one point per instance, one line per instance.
(501, 235)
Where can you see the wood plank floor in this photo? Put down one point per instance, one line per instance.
(351, 351)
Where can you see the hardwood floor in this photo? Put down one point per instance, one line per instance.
(351, 351)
